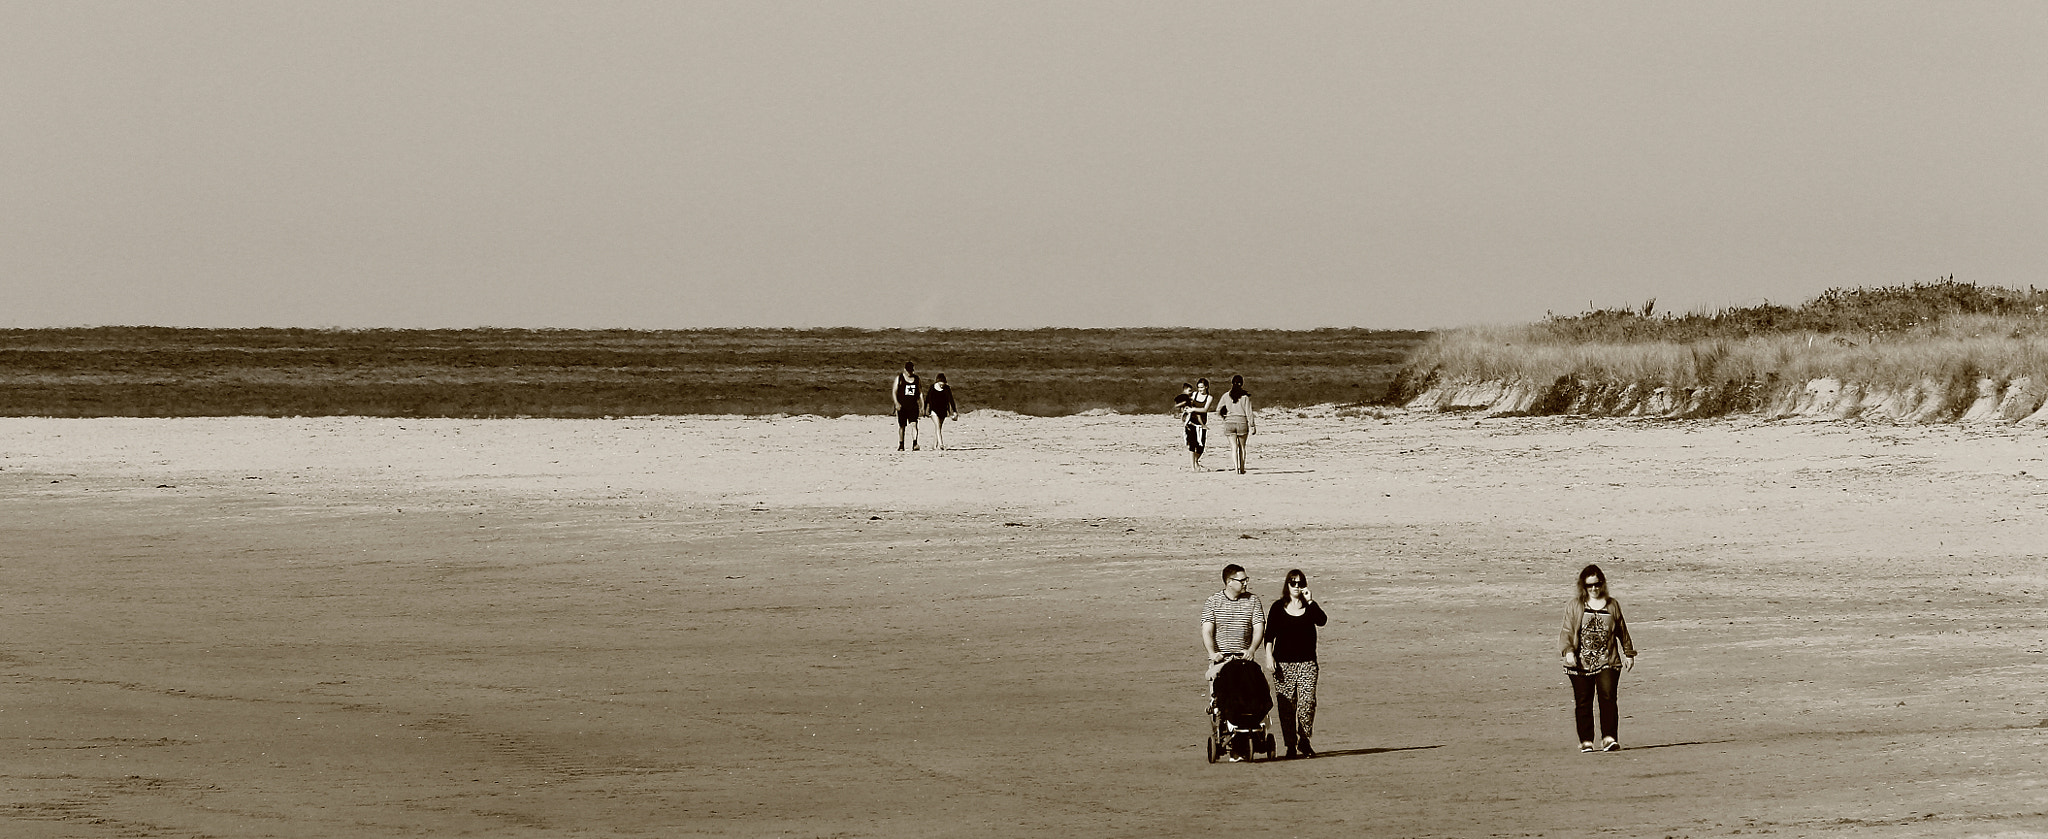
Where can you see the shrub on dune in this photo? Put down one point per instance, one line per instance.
(1946, 336)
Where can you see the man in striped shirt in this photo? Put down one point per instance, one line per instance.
(1232, 622)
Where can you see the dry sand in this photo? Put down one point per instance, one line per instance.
(782, 627)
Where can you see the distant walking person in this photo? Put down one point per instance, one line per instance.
(908, 391)
(1291, 629)
(940, 404)
(1195, 419)
(1595, 640)
(1238, 422)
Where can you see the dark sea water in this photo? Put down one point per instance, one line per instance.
(140, 371)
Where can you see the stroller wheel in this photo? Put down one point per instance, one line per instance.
(1209, 750)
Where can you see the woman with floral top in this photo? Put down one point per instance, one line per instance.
(1596, 650)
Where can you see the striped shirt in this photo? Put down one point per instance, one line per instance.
(1234, 620)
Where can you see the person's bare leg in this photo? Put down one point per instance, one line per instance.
(940, 431)
(1240, 453)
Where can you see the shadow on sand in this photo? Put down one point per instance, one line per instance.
(1674, 745)
(1357, 752)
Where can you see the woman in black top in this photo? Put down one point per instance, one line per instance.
(1291, 629)
(939, 402)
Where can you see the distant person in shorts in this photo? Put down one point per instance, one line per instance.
(1595, 641)
(1233, 622)
(1236, 412)
(908, 391)
(1195, 420)
(940, 403)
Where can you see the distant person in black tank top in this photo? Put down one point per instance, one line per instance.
(908, 392)
(1291, 629)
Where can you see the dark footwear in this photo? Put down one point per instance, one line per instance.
(913, 447)
(1611, 745)
(1291, 755)
(899, 447)
(1306, 751)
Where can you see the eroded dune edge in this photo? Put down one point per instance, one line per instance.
(2021, 400)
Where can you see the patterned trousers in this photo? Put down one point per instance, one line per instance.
(1297, 695)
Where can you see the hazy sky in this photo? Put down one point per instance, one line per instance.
(428, 163)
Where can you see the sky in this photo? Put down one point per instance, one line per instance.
(656, 165)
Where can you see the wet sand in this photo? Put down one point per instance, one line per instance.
(721, 626)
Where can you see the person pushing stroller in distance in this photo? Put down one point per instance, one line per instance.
(1233, 627)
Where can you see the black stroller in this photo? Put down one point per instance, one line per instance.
(1238, 705)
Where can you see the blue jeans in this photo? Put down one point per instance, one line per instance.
(1584, 688)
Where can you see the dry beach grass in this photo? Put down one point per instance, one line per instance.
(1919, 353)
(703, 626)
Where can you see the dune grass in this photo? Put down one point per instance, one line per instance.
(1947, 333)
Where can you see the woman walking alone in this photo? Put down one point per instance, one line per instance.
(1236, 412)
(1595, 641)
(1291, 629)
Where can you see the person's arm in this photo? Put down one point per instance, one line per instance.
(1628, 648)
(1569, 639)
(1258, 626)
(1315, 610)
(1251, 418)
(1209, 640)
(1268, 641)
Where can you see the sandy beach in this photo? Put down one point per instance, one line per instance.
(747, 627)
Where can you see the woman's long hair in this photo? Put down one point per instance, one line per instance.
(1287, 594)
(1579, 582)
(1237, 390)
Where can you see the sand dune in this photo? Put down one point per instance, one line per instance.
(730, 626)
